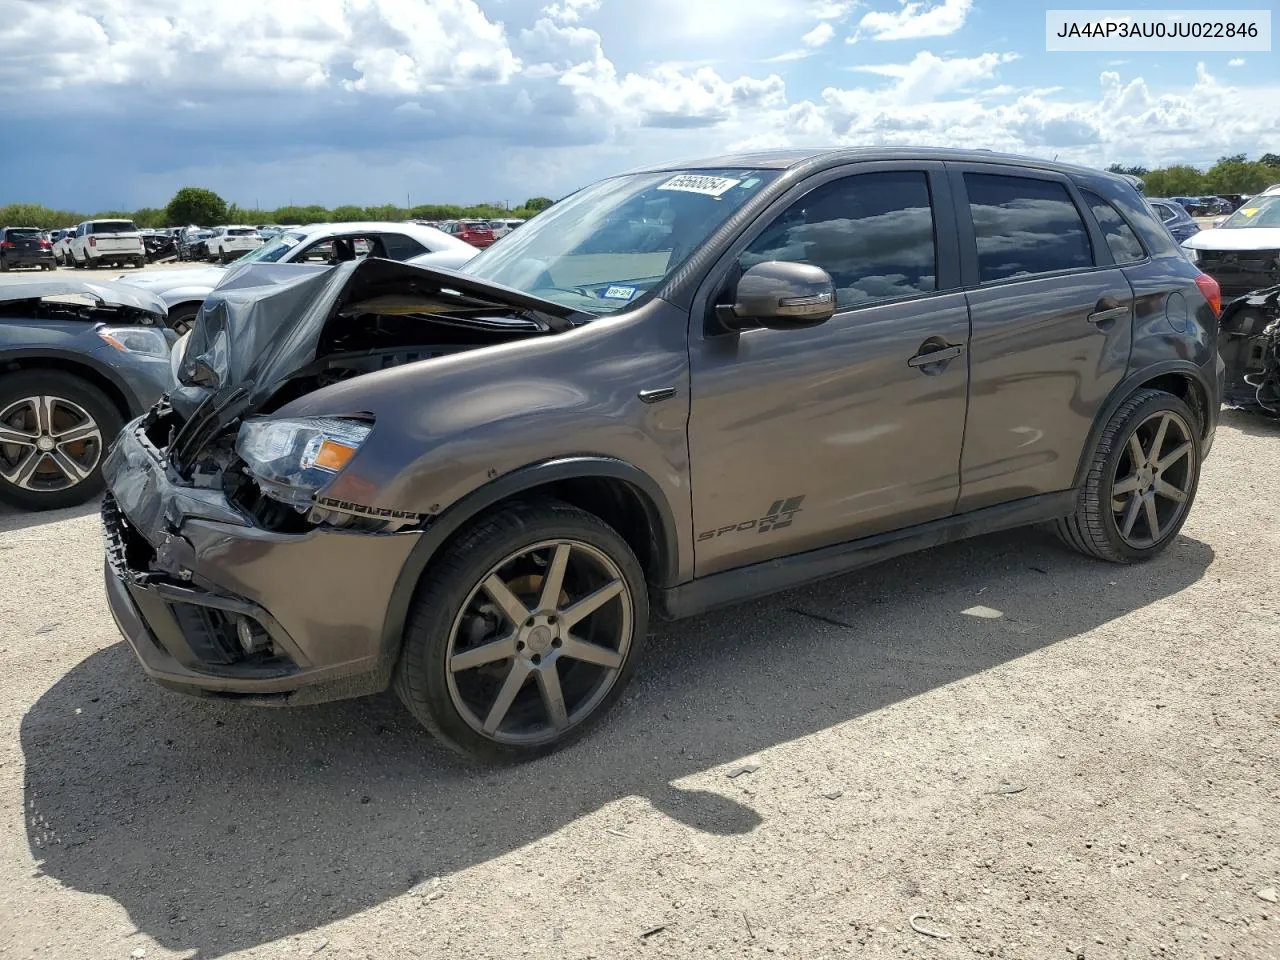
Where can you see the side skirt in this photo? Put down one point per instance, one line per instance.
(771, 576)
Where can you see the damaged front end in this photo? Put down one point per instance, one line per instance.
(1249, 343)
(229, 568)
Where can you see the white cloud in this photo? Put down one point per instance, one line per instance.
(832, 9)
(927, 75)
(819, 35)
(359, 45)
(571, 11)
(1236, 62)
(915, 20)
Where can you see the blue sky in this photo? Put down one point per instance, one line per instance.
(332, 101)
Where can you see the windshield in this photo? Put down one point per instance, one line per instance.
(274, 250)
(609, 244)
(1256, 212)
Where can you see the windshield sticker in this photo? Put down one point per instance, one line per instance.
(288, 240)
(694, 183)
(618, 293)
(1250, 211)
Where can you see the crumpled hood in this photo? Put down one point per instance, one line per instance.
(106, 292)
(1236, 238)
(263, 324)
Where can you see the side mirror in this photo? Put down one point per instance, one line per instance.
(780, 295)
(1219, 221)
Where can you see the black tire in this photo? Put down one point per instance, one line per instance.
(140, 262)
(4, 264)
(15, 387)
(422, 678)
(1094, 528)
(181, 317)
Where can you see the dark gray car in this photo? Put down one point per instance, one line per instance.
(673, 390)
(77, 360)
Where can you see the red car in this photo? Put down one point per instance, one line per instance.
(474, 232)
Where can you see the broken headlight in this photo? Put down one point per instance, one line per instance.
(293, 459)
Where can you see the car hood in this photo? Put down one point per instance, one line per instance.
(162, 280)
(1236, 238)
(263, 326)
(106, 292)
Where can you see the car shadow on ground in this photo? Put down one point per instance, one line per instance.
(220, 827)
(13, 519)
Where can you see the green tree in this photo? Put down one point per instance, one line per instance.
(538, 204)
(1233, 175)
(1233, 158)
(1270, 159)
(36, 215)
(195, 205)
(301, 215)
(148, 217)
(1175, 181)
(347, 213)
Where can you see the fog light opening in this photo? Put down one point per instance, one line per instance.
(253, 639)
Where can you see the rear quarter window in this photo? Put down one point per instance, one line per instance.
(1024, 227)
(1121, 240)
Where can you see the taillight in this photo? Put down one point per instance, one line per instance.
(93, 241)
(7, 245)
(46, 245)
(1212, 292)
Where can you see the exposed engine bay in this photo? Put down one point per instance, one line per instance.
(268, 341)
(1249, 342)
(78, 307)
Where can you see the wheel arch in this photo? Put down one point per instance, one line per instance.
(76, 365)
(1180, 378)
(621, 494)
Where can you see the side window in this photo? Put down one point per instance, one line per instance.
(318, 252)
(1123, 242)
(400, 247)
(873, 232)
(1167, 213)
(1025, 226)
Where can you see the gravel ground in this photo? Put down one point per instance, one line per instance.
(1094, 773)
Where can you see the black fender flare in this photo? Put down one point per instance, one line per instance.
(1125, 389)
(509, 485)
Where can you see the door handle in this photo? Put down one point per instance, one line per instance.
(1108, 308)
(938, 355)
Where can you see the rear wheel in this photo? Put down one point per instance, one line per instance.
(54, 432)
(4, 264)
(525, 632)
(1142, 481)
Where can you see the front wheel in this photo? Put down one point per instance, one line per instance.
(1141, 483)
(54, 432)
(524, 633)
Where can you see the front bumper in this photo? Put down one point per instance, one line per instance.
(184, 566)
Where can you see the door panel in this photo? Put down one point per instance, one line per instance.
(1047, 349)
(800, 439)
(833, 423)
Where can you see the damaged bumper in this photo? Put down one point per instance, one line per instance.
(213, 604)
(1249, 343)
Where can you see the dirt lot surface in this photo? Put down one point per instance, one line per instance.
(1093, 773)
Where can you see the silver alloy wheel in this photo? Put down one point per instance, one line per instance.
(1154, 479)
(47, 443)
(559, 612)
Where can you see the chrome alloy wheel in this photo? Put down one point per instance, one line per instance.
(1154, 479)
(539, 642)
(48, 443)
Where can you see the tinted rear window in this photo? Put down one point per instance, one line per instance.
(1122, 241)
(113, 226)
(240, 232)
(1025, 226)
(20, 234)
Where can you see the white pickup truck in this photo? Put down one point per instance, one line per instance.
(230, 243)
(96, 243)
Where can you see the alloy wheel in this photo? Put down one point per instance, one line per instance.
(539, 642)
(47, 443)
(1154, 479)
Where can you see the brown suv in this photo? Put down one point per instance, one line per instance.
(675, 389)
